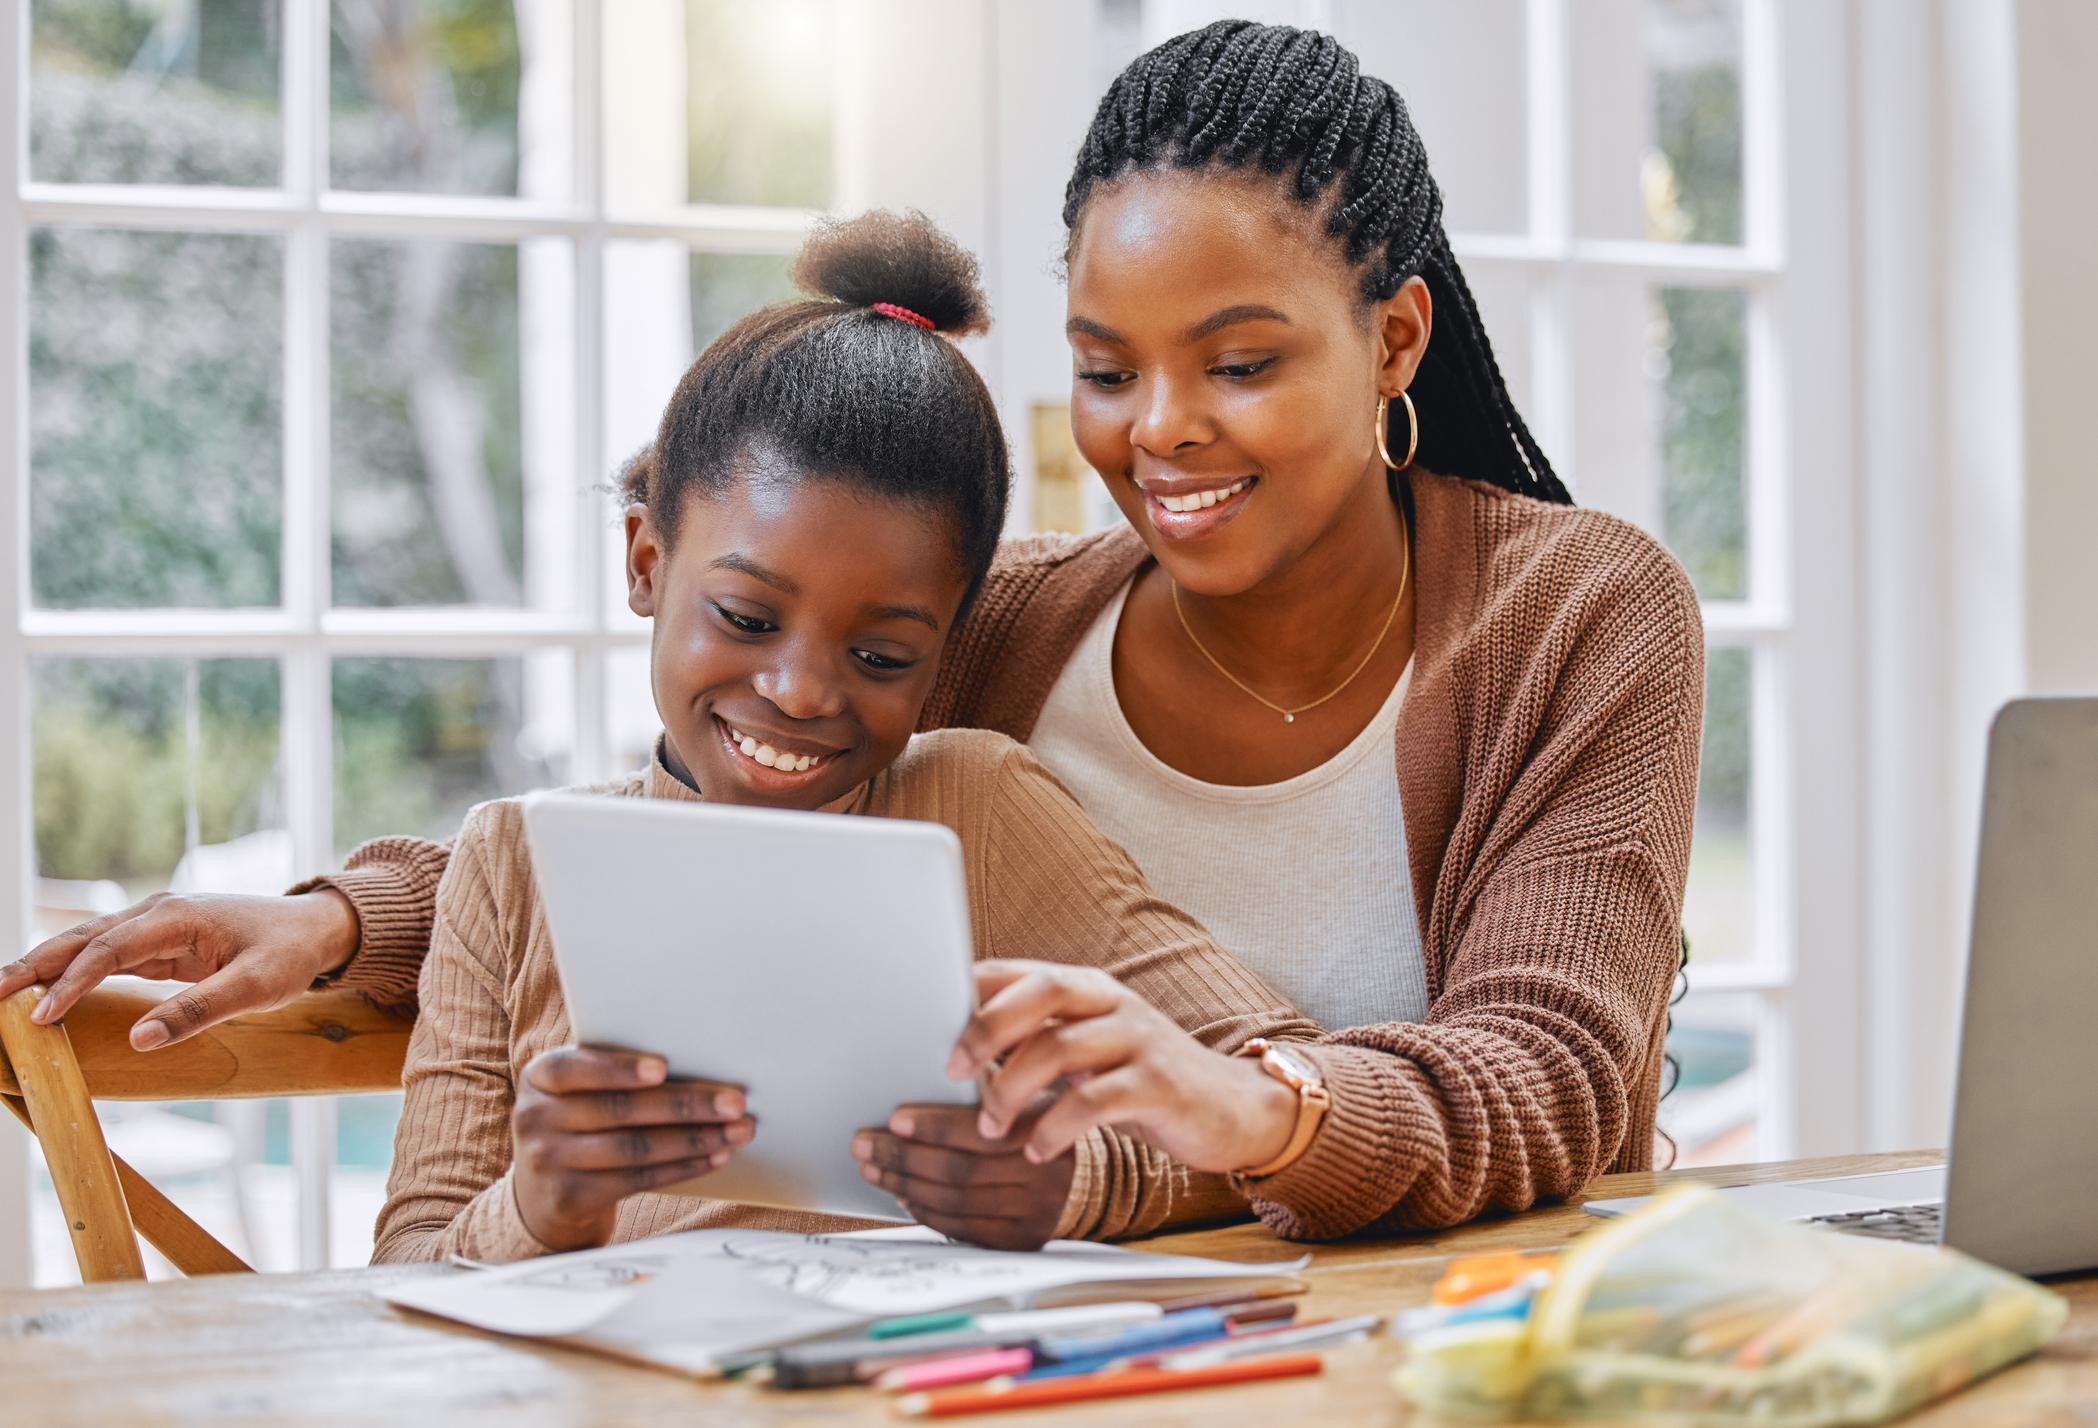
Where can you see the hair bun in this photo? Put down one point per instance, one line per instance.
(895, 258)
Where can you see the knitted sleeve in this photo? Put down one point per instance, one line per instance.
(392, 885)
(1537, 1063)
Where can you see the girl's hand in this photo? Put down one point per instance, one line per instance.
(1126, 1064)
(592, 1126)
(948, 1175)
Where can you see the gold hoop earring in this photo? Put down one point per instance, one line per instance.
(1413, 431)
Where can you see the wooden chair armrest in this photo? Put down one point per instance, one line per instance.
(324, 1043)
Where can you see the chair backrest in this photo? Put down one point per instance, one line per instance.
(322, 1044)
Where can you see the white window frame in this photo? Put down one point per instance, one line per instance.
(306, 632)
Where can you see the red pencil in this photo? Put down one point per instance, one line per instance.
(1037, 1392)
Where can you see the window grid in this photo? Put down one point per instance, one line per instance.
(305, 632)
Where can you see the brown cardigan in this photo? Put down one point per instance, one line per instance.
(1547, 763)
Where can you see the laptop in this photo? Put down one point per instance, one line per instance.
(2019, 1188)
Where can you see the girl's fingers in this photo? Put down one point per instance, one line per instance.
(642, 1178)
(648, 1145)
(681, 1103)
(1019, 1009)
(878, 1150)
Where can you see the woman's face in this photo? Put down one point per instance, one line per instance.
(1224, 364)
(798, 627)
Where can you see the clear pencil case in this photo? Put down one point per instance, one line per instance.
(1698, 1311)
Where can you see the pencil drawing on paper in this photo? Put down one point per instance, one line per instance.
(860, 1274)
(597, 1274)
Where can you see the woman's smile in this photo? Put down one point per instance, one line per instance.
(1190, 507)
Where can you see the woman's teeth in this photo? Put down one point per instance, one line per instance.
(1198, 500)
(770, 757)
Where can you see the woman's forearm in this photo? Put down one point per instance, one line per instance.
(391, 883)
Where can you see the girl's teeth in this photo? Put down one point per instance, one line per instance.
(770, 757)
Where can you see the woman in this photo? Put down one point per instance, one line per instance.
(1420, 749)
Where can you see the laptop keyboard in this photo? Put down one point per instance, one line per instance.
(1916, 1224)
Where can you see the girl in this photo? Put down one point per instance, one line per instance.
(1421, 749)
(826, 495)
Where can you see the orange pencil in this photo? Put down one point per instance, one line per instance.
(1036, 1393)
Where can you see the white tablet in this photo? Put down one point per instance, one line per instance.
(821, 961)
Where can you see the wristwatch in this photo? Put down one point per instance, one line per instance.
(1301, 1074)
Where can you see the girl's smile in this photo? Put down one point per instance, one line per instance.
(799, 623)
(784, 762)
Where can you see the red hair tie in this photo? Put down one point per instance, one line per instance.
(903, 314)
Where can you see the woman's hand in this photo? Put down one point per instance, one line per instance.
(1126, 1064)
(592, 1126)
(244, 954)
(951, 1177)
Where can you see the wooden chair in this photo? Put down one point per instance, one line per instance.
(323, 1044)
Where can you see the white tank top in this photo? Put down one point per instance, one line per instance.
(1305, 881)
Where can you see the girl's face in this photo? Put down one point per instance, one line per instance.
(1224, 362)
(798, 627)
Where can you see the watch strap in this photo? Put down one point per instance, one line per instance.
(1312, 1103)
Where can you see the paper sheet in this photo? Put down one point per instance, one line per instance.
(686, 1301)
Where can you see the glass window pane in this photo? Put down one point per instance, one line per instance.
(1661, 418)
(1712, 1115)
(1462, 70)
(152, 773)
(758, 102)
(1503, 292)
(663, 303)
(630, 708)
(1615, 361)
(420, 741)
(155, 379)
(424, 96)
(1657, 120)
(727, 286)
(1702, 337)
(427, 486)
(1719, 903)
(154, 91)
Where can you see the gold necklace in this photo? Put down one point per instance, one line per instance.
(1289, 716)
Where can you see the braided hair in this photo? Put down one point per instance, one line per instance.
(1293, 102)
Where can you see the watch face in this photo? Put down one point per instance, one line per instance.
(1296, 1063)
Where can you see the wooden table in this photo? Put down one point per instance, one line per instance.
(322, 1348)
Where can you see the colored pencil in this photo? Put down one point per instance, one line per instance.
(998, 1397)
(1230, 1297)
(961, 1368)
(1260, 1313)
(1329, 1334)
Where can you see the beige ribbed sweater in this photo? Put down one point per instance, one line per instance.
(1547, 759)
(1043, 883)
